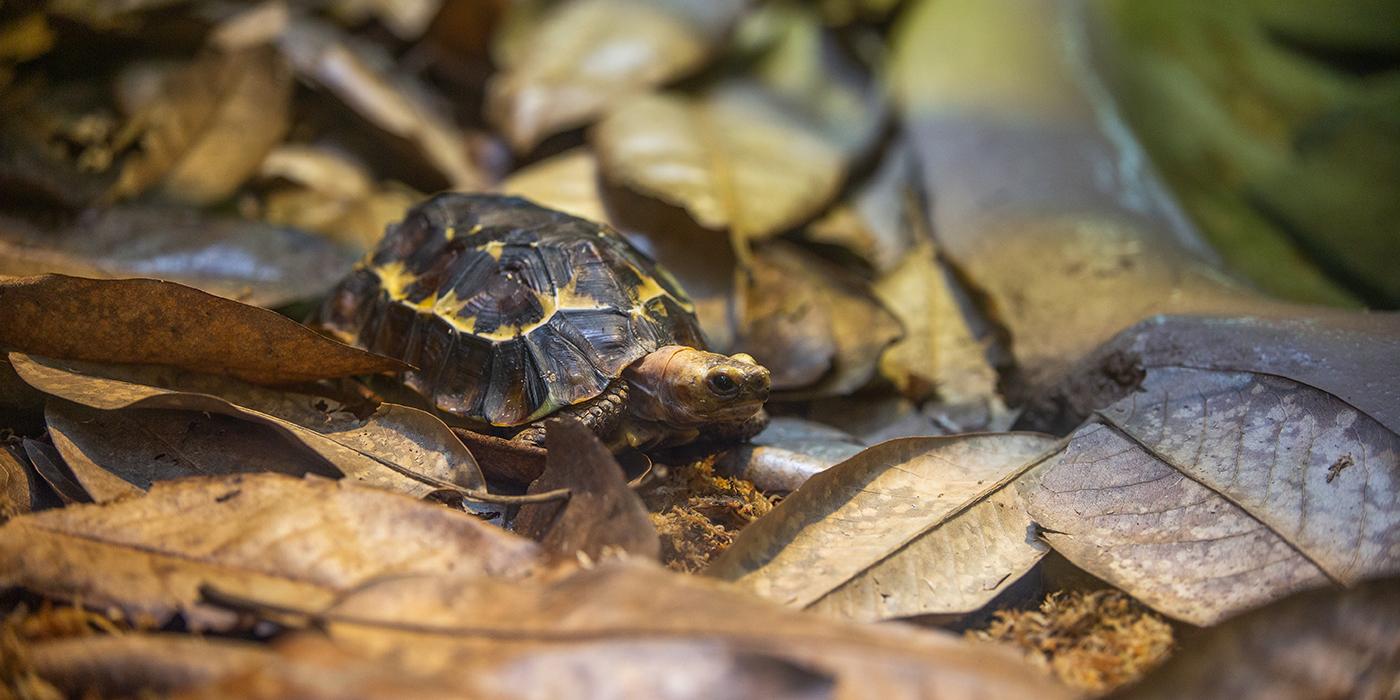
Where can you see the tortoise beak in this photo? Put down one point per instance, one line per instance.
(758, 383)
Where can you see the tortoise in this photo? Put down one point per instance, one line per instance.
(511, 313)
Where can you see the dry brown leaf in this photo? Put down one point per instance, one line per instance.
(622, 602)
(660, 669)
(876, 220)
(210, 126)
(284, 540)
(938, 355)
(1317, 644)
(131, 664)
(568, 182)
(586, 55)
(908, 527)
(736, 158)
(119, 453)
(50, 467)
(817, 327)
(1040, 195)
(362, 80)
(243, 260)
(16, 486)
(787, 453)
(1256, 485)
(320, 190)
(397, 447)
(1343, 353)
(153, 322)
(602, 516)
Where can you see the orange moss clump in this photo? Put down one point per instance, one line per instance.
(1094, 641)
(698, 513)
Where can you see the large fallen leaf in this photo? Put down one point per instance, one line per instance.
(1317, 644)
(586, 55)
(128, 665)
(818, 328)
(163, 323)
(432, 625)
(397, 447)
(908, 527)
(736, 157)
(1040, 195)
(693, 669)
(287, 540)
(118, 453)
(245, 260)
(602, 516)
(360, 77)
(210, 125)
(1209, 492)
(1342, 353)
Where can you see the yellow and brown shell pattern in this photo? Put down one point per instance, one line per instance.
(507, 309)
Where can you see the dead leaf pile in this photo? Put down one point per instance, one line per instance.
(1000, 346)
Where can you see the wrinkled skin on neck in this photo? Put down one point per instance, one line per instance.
(677, 392)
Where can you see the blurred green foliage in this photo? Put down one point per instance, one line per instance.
(1277, 122)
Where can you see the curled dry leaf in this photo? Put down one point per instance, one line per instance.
(209, 127)
(1257, 485)
(585, 55)
(817, 327)
(284, 540)
(736, 157)
(626, 601)
(602, 516)
(163, 323)
(397, 447)
(16, 486)
(244, 260)
(49, 465)
(129, 665)
(123, 452)
(360, 79)
(908, 527)
(1316, 644)
(328, 193)
(787, 453)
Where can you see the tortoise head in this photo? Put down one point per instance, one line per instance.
(685, 387)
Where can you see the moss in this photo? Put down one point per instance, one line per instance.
(698, 513)
(1093, 641)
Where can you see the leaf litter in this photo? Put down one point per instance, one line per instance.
(979, 258)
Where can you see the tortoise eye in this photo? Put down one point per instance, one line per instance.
(722, 384)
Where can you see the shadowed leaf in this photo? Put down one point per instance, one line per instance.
(1317, 644)
(138, 447)
(398, 448)
(602, 516)
(153, 322)
(130, 664)
(248, 261)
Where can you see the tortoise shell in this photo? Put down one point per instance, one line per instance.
(508, 310)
